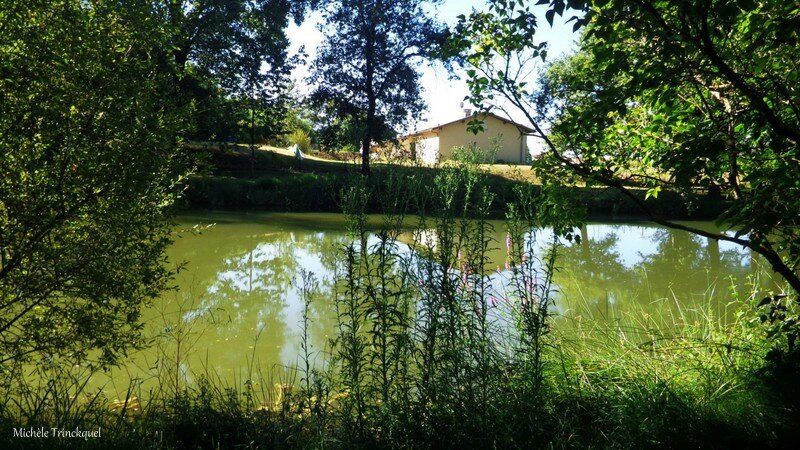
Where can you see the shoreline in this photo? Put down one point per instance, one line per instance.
(319, 192)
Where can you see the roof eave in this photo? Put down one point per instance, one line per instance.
(522, 128)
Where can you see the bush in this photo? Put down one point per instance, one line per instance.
(301, 139)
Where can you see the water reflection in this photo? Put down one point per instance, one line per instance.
(643, 267)
(241, 283)
(248, 274)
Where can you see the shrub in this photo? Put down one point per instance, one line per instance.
(301, 139)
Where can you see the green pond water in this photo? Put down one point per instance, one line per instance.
(237, 308)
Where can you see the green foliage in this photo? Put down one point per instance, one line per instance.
(640, 381)
(316, 192)
(219, 118)
(780, 318)
(305, 192)
(229, 58)
(430, 351)
(301, 139)
(297, 118)
(341, 133)
(88, 171)
(667, 96)
(679, 381)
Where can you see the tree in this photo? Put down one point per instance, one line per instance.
(88, 171)
(234, 49)
(664, 95)
(367, 66)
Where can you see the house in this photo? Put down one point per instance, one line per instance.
(507, 138)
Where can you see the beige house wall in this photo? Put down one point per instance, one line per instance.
(511, 144)
(507, 136)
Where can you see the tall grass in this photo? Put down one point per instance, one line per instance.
(434, 348)
(673, 381)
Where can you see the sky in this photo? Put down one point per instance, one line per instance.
(442, 94)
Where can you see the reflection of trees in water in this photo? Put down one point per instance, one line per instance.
(252, 272)
(592, 272)
(598, 261)
(692, 261)
(682, 270)
(252, 279)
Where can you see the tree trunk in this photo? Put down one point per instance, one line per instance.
(714, 257)
(585, 243)
(252, 135)
(366, 144)
(369, 76)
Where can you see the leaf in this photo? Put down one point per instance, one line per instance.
(549, 16)
(764, 301)
(475, 126)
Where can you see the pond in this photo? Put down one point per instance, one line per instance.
(237, 303)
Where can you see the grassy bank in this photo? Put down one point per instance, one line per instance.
(687, 394)
(319, 192)
(697, 383)
(276, 181)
